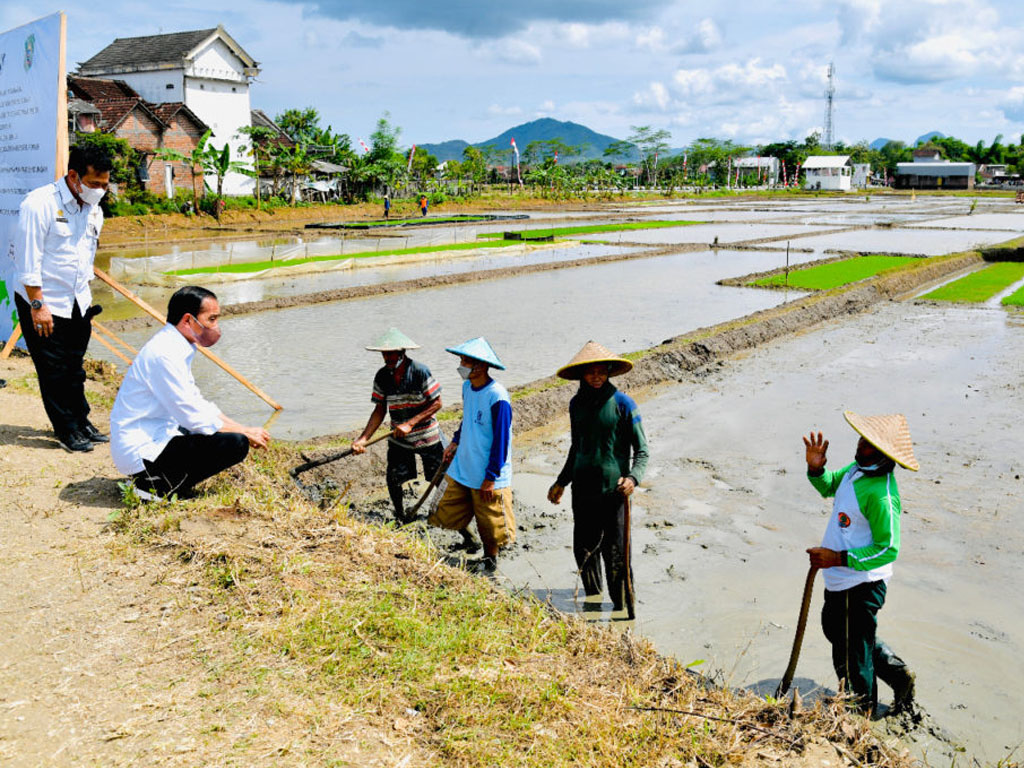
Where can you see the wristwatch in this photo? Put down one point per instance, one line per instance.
(36, 304)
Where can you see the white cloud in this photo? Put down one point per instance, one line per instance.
(514, 51)
(655, 95)
(1013, 105)
(729, 82)
(498, 110)
(651, 38)
(705, 38)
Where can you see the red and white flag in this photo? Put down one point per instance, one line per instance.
(362, 144)
(412, 152)
(556, 157)
(516, 150)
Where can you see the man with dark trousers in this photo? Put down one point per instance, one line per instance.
(607, 460)
(857, 552)
(53, 248)
(405, 389)
(165, 435)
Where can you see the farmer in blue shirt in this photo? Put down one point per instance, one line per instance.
(480, 475)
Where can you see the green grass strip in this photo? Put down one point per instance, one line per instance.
(981, 285)
(1015, 299)
(592, 228)
(834, 274)
(259, 266)
(418, 220)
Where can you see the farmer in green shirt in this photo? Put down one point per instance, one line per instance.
(857, 553)
(607, 460)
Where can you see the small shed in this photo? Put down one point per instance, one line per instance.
(935, 175)
(765, 167)
(828, 172)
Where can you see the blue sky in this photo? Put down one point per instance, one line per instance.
(749, 71)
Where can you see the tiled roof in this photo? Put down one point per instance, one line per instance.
(93, 88)
(168, 110)
(116, 110)
(152, 49)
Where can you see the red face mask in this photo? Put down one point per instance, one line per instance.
(208, 336)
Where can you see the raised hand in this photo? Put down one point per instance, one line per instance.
(816, 448)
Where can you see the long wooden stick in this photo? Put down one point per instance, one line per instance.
(113, 349)
(313, 463)
(111, 335)
(160, 318)
(801, 625)
(434, 481)
(11, 341)
(627, 556)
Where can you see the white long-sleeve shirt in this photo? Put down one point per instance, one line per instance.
(158, 395)
(54, 247)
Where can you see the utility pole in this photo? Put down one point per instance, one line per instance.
(828, 138)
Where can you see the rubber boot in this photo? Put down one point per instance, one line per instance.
(894, 672)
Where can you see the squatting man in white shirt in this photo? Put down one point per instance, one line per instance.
(164, 434)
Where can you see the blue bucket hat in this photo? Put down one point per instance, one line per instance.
(478, 349)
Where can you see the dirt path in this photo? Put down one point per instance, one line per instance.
(98, 664)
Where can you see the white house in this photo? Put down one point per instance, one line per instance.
(764, 166)
(206, 69)
(828, 172)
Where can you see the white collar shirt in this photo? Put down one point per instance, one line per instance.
(157, 399)
(54, 247)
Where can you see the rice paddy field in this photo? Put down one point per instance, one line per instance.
(825, 276)
(982, 285)
(591, 229)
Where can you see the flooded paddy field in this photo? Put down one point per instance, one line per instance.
(720, 529)
(312, 360)
(917, 240)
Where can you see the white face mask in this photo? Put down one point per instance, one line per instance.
(91, 195)
(464, 371)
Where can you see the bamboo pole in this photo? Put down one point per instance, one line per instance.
(11, 341)
(110, 334)
(112, 348)
(161, 319)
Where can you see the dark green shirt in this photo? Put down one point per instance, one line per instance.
(608, 440)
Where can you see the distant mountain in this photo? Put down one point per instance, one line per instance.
(877, 144)
(543, 129)
(928, 137)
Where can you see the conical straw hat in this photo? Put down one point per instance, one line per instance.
(593, 352)
(392, 340)
(889, 433)
(479, 349)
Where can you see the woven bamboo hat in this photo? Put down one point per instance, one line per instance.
(392, 340)
(591, 353)
(478, 349)
(889, 433)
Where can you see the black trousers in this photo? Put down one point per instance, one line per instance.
(188, 460)
(850, 621)
(599, 533)
(58, 362)
(402, 468)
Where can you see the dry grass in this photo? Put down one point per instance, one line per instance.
(365, 648)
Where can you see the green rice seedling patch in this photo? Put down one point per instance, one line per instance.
(981, 285)
(834, 274)
(588, 229)
(1015, 299)
(259, 266)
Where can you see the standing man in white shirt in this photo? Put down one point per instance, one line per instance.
(166, 436)
(53, 249)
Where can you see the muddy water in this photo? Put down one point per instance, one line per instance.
(719, 532)
(1010, 221)
(312, 360)
(917, 240)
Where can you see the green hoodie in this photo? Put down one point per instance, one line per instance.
(608, 440)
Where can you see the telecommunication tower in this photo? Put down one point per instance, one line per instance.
(828, 139)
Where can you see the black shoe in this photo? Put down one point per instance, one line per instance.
(92, 434)
(485, 565)
(75, 442)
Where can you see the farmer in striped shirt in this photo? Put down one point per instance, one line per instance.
(857, 553)
(407, 390)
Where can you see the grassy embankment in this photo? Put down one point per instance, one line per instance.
(366, 647)
(259, 266)
(982, 285)
(589, 229)
(824, 277)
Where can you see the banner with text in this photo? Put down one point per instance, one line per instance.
(31, 75)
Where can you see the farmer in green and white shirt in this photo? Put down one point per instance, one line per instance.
(856, 554)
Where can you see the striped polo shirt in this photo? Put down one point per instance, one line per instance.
(414, 391)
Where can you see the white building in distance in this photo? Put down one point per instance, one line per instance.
(206, 69)
(828, 172)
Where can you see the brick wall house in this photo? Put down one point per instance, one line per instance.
(146, 127)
